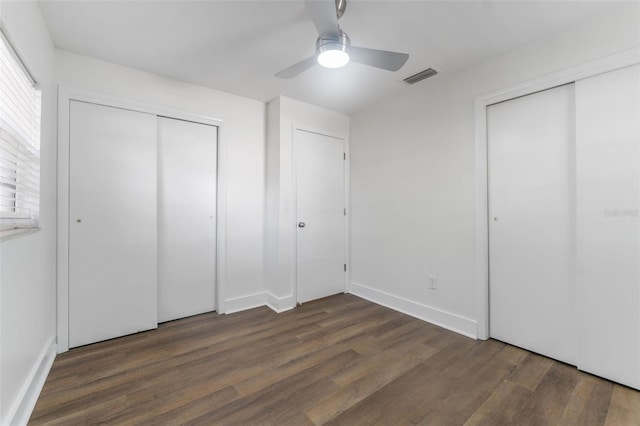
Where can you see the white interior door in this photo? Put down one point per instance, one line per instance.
(319, 162)
(608, 152)
(531, 144)
(187, 170)
(112, 229)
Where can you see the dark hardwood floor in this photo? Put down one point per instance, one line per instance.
(340, 360)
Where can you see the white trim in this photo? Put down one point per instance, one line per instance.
(244, 303)
(347, 219)
(63, 219)
(255, 300)
(350, 288)
(16, 56)
(221, 224)
(21, 409)
(9, 234)
(456, 323)
(65, 96)
(118, 102)
(569, 75)
(294, 202)
(279, 304)
(293, 208)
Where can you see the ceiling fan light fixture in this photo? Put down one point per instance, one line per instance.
(333, 50)
(333, 58)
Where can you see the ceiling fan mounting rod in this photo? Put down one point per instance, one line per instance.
(341, 6)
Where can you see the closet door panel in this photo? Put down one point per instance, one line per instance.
(187, 181)
(608, 226)
(112, 229)
(532, 213)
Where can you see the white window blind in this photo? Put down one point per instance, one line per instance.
(19, 142)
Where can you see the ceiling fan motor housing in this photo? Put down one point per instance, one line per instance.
(330, 42)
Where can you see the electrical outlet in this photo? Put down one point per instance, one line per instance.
(433, 282)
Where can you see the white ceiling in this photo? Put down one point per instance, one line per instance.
(237, 46)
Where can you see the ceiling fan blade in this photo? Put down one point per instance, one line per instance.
(298, 68)
(390, 61)
(324, 16)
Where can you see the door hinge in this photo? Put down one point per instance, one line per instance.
(345, 155)
(345, 211)
(345, 267)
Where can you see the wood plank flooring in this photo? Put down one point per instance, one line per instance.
(337, 361)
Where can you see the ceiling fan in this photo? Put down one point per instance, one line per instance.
(333, 46)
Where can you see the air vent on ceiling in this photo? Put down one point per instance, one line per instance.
(429, 72)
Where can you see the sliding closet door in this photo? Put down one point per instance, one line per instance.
(608, 152)
(187, 159)
(531, 146)
(112, 229)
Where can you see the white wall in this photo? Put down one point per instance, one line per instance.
(272, 201)
(27, 263)
(243, 131)
(283, 114)
(413, 175)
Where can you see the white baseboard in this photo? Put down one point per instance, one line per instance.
(20, 412)
(453, 322)
(243, 303)
(280, 304)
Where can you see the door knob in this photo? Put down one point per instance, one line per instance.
(301, 224)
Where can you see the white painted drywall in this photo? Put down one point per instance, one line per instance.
(243, 129)
(27, 263)
(413, 172)
(283, 114)
(272, 197)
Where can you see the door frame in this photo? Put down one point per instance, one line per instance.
(65, 96)
(558, 78)
(294, 204)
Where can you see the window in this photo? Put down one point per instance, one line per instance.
(19, 142)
